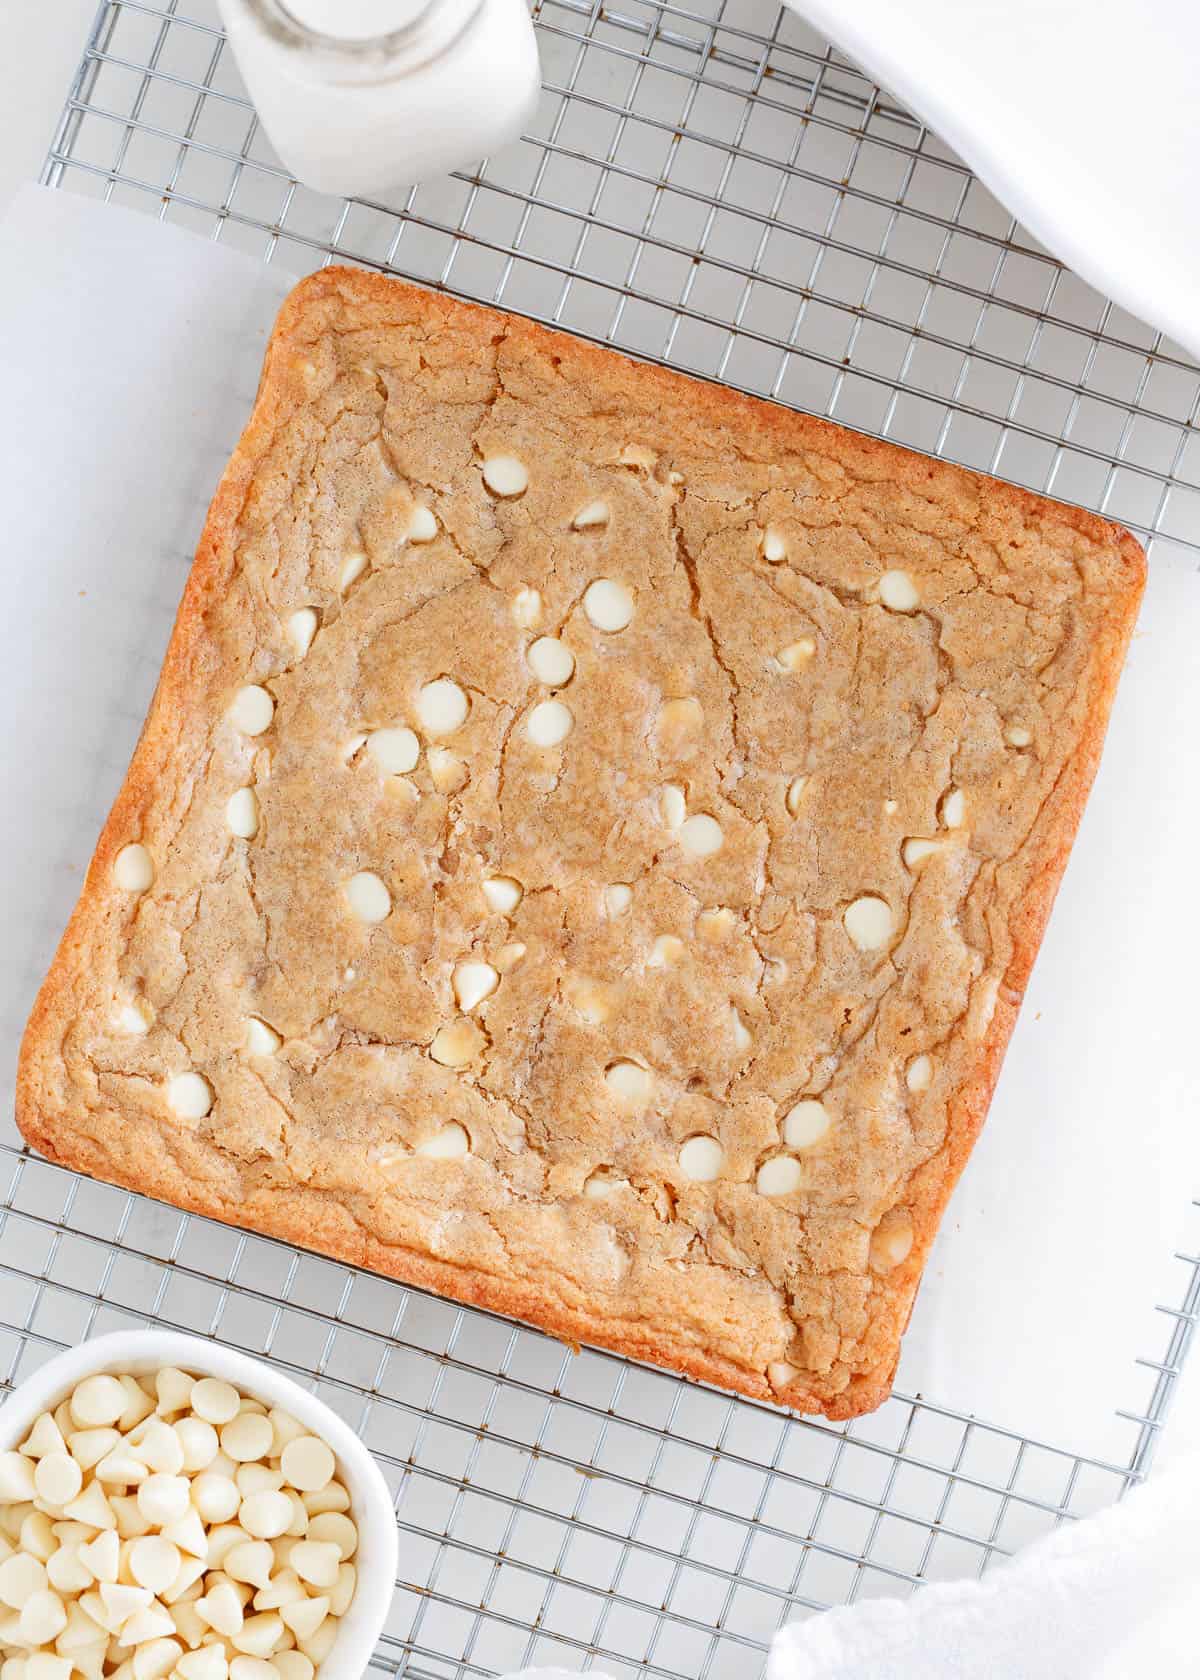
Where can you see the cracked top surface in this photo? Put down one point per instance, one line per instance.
(630, 1002)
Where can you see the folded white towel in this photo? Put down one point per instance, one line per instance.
(1113, 1597)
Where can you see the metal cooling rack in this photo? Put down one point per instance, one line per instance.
(710, 186)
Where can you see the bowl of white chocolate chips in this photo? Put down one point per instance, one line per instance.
(173, 1510)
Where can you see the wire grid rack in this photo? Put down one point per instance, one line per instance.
(710, 186)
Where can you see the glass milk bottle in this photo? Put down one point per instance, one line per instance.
(361, 95)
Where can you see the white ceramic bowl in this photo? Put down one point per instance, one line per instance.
(139, 1351)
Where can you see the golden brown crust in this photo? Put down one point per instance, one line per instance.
(1061, 584)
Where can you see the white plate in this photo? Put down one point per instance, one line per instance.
(139, 1351)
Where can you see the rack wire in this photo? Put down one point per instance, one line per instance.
(711, 186)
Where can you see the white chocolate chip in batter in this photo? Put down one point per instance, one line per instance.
(869, 922)
(473, 981)
(527, 608)
(457, 1044)
(795, 794)
(608, 605)
(892, 1240)
(503, 893)
(447, 771)
(666, 951)
(508, 956)
(133, 868)
(551, 661)
(351, 745)
(301, 628)
(916, 850)
(701, 1159)
(679, 723)
(241, 813)
(673, 805)
(741, 1033)
(780, 1374)
(368, 897)
(782, 1175)
(774, 545)
(890, 807)
(395, 751)
(701, 836)
(189, 1095)
(422, 525)
(918, 1076)
(715, 925)
(1018, 736)
(589, 998)
(505, 475)
(135, 1016)
(629, 1080)
(261, 1039)
(898, 592)
(549, 723)
(796, 655)
(617, 899)
(602, 1183)
(447, 1144)
(442, 706)
(805, 1123)
(590, 515)
(953, 808)
(353, 567)
(252, 709)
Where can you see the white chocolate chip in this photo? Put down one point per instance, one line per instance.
(45, 1437)
(422, 525)
(715, 926)
(527, 608)
(368, 897)
(308, 1464)
(805, 1123)
(701, 1159)
(796, 655)
(57, 1478)
(215, 1400)
(351, 745)
(442, 706)
(741, 1033)
(164, 1499)
(189, 1095)
(782, 1175)
(551, 661)
(629, 1081)
(898, 592)
(473, 982)
(21, 1575)
(869, 922)
(915, 851)
(261, 1039)
(795, 794)
(919, 1074)
(679, 723)
(602, 1183)
(502, 893)
(241, 813)
(154, 1562)
(953, 808)
(447, 771)
(265, 1515)
(892, 1240)
(96, 1402)
(673, 805)
(890, 807)
(701, 836)
(1018, 736)
(505, 475)
(457, 1044)
(617, 899)
(133, 869)
(301, 628)
(774, 545)
(590, 515)
(666, 951)
(353, 567)
(316, 1562)
(589, 998)
(508, 956)
(608, 605)
(549, 723)
(134, 1017)
(252, 709)
(447, 1144)
(247, 1437)
(780, 1374)
(395, 751)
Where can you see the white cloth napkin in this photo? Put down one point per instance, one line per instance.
(1114, 1597)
